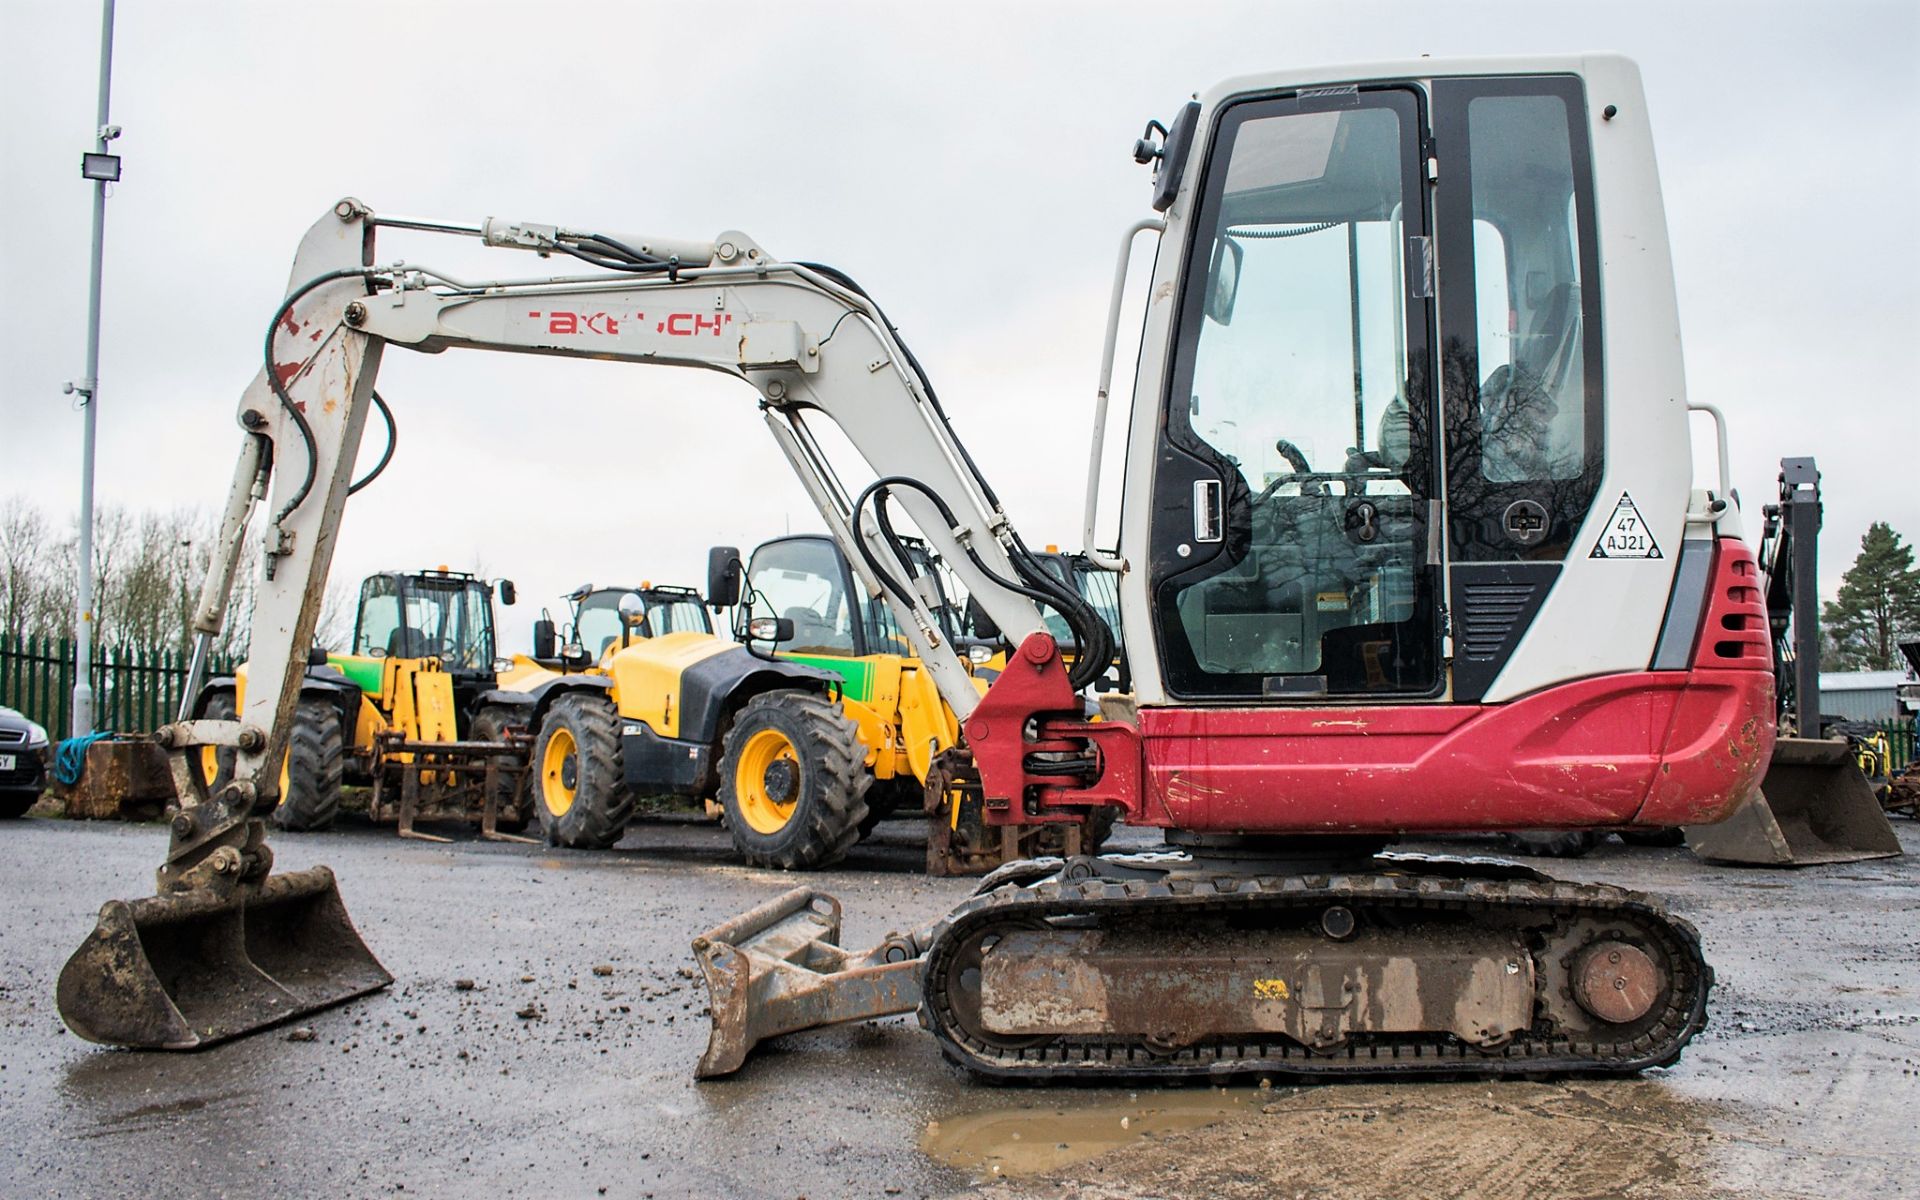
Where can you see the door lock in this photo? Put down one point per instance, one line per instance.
(1525, 522)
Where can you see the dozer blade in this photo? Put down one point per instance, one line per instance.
(1814, 806)
(178, 972)
(779, 968)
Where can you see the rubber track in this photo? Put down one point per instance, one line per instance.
(1091, 1059)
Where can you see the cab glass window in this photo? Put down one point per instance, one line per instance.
(1520, 315)
(597, 625)
(376, 632)
(803, 581)
(677, 616)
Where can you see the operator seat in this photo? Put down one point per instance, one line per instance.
(1519, 403)
(811, 630)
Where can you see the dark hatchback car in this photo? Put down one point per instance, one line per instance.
(23, 763)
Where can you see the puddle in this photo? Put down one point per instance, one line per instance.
(1032, 1139)
(1439, 1141)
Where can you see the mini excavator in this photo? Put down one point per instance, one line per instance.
(1409, 541)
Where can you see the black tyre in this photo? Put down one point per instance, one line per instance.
(888, 796)
(16, 803)
(513, 801)
(793, 781)
(1554, 843)
(214, 764)
(316, 760)
(1655, 837)
(577, 781)
(1099, 827)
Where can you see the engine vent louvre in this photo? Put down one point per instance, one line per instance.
(1488, 616)
(1492, 605)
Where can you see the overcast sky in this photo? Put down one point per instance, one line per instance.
(968, 163)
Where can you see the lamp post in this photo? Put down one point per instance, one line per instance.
(103, 168)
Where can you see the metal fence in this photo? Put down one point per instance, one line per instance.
(135, 689)
(1900, 740)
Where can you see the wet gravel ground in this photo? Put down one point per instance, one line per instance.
(565, 1069)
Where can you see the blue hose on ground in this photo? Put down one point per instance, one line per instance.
(70, 758)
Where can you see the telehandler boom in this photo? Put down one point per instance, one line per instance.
(1407, 477)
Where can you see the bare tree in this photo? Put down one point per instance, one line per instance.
(26, 540)
(149, 567)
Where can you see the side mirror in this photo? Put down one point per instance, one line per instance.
(633, 614)
(723, 577)
(544, 641)
(507, 593)
(1223, 280)
(770, 629)
(317, 657)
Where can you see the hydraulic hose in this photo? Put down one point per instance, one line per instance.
(1036, 583)
(279, 387)
(393, 440)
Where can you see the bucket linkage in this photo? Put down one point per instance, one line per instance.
(779, 968)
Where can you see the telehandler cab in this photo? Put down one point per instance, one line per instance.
(1407, 476)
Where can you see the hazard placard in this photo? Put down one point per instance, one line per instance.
(1626, 535)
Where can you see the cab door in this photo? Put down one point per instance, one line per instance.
(1521, 352)
(1296, 491)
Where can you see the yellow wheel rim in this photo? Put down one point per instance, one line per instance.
(559, 772)
(286, 774)
(767, 797)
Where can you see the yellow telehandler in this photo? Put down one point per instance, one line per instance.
(408, 711)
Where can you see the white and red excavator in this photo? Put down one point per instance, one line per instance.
(1409, 541)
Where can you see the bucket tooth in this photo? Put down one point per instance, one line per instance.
(186, 970)
(779, 968)
(1814, 806)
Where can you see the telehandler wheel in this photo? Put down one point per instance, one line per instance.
(1654, 837)
(310, 777)
(513, 800)
(579, 787)
(886, 797)
(793, 781)
(1098, 828)
(214, 764)
(1554, 843)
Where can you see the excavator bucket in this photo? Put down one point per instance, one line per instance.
(186, 970)
(1814, 806)
(779, 968)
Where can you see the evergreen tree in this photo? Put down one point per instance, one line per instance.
(1879, 602)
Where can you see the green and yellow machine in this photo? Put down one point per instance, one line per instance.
(802, 589)
(407, 711)
(641, 698)
(804, 730)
